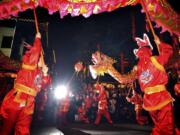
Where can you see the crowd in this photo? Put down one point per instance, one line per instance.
(84, 106)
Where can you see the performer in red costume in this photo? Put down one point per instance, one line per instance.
(63, 111)
(88, 103)
(177, 89)
(152, 79)
(18, 105)
(42, 100)
(102, 105)
(82, 113)
(137, 100)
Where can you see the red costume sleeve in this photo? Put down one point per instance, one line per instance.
(31, 57)
(165, 53)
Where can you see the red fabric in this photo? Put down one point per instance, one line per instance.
(42, 100)
(158, 104)
(19, 113)
(177, 89)
(141, 119)
(102, 103)
(32, 56)
(101, 113)
(64, 105)
(144, 51)
(138, 101)
(62, 111)
(88, 102)
(102, 106)
(82, 114)
(16, 115)
(164, 16)
(149, 76)
(177, 131)
(163, 120)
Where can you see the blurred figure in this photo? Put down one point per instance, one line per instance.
(102, 105)
(137, 100)
(177, 89)
(88, 104)
(63, 110)
(82, 113)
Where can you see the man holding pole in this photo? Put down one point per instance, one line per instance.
(18, 105)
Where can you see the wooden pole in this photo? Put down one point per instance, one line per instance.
(36, 21)
(37, 31)
(149, 21)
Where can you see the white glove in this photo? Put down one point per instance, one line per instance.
(38, 35)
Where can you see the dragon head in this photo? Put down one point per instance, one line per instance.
(101, 63)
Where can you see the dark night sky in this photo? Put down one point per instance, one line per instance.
(76, 38)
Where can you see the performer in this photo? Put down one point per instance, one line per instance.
(152, 79)
(177, 89)
(102, 105)
(42, 98)
(18, 105)
(177, 85)
(88, 103)
(82, 113)
(62, 111)
(137, 100)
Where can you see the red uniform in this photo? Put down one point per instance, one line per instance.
(82, 114)
(177, 89)
(63, 110)
(42, 100)
(18, 105)
(152, 79)
(102, 105)
(88, 102)
(137, 100)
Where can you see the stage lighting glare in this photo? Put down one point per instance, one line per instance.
(60, 92)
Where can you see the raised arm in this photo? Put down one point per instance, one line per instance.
(165, 51)
(31, 56)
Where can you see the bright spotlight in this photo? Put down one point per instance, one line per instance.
(60, 92)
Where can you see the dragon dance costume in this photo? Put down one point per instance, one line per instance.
(152, 79)
(18, 105)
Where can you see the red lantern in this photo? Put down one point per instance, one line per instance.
(78, 66)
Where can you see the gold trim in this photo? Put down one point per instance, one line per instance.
(154, 89)
(157, 107)
(24, 89)
(29, 67)
(157, 64)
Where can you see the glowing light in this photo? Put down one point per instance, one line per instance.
(57, 133)
(60, 92)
